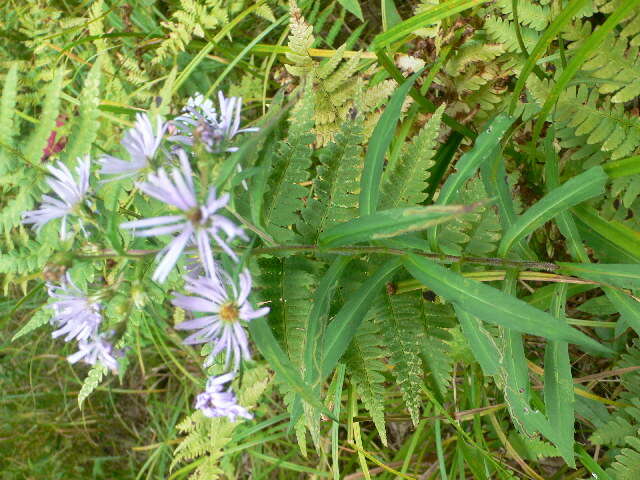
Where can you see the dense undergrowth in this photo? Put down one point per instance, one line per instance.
(437, 201)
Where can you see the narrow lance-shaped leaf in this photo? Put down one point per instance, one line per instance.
(278, 360)
(493, 306)
(614, 241)
(378, 144)
(482, 344)
(352, 6)
(558, 385)
(486, 145)
(620, 275)
(517, 391)
(580, 188)
(345, 324)
(391, 223)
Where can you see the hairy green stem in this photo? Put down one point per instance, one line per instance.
(355, 250)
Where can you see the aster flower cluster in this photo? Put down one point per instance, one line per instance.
(78, 317)
(217, 303)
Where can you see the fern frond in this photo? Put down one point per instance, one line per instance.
(300, 41)
(503, 31)
(284, 195)
(37, 320)
(192, 19)
(627, 464)
(617, 65)
(591, 125)
(85, 128)
(403, 330)
(289, 283)
(8, 127)
(476, 233)
(530, 13)
(404, 183)
(94, 377)
(366, 371)
(38, 140)
(336, 84)
(437, 355)
(336, 184)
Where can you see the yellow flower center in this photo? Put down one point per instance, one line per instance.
(194, 215)
(229, 312)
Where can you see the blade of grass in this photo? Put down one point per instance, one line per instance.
(423, 19)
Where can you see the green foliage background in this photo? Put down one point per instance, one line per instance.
(503, 345)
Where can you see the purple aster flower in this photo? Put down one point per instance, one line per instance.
(71, 193)
(196, 224)
(226, 308)
(215, 401)
(214, 129)
(76, 315)
(141, 142)
(96, 350)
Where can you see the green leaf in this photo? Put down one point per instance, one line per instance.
(558, 385)
(579, 56)
(85, 127)
(391, 223)
(280, 363)
(94, 377)
(466, 167)
(345, 324)
(390, 15)
(628, 307)
(37, 320)
(317, 318)
(426, 18)
(580, 188)
(493, 306)
(352, 6)
(515, 375)
(623, 168)
(481, 343)
(378, 144)
(486, 146)
(621, 275)
(613, 241)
